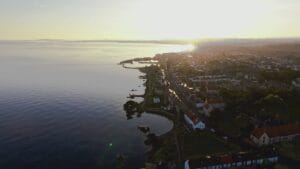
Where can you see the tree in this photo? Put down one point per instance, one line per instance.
(272, 106)
(243, 121)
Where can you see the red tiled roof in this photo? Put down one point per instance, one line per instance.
(283, 130)
(226, 159)
(195, 119)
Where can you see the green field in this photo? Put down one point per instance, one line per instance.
(205, 143)
(290, 149)
(193, 144)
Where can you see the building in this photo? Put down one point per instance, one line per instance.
(207, 109)
(194, 121)
(216, 103)
(150, 166)
(242, 159)
(156, 100)
(296, 82)
(270, 135)
(212, 104)
(199, 104)
(160, 165)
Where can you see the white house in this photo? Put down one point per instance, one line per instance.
(194, 121)
(270, 135)
(296, 82)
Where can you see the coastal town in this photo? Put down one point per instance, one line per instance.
(231, 106)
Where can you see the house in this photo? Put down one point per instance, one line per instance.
(216, 103)
(150, 166)
(199, 104)
(241, 159)
(212, 104)
(194, 121)
(160, 165)
(296, 82)
(207, 109)
(270, 135)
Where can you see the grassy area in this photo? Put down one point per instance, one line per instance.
(204, 143)
(293, 110)
(166, 152)
(229, 128)
(279, 166)
(153, 75)
(193, 145)
(290, 149)
(224, 122)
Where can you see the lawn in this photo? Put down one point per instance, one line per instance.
(229, 128)
(201, 143)
(293, 111)
(193, 144)
(290, 149)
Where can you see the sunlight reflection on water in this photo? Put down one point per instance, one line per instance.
(61, 104)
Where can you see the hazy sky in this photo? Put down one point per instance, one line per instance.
(148, 19)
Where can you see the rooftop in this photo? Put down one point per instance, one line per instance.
(230, 158)
(282, 130)
(195, 119)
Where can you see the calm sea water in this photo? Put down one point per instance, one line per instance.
(61, 105)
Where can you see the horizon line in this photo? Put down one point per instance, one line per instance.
(163, 41)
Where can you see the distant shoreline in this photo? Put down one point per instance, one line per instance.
(165, 42)
(172, 41)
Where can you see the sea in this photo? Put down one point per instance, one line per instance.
(61, 104)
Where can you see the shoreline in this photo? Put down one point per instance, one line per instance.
(145, 107)
(166, 141)
(174, 146)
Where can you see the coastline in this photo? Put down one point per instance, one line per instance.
(145, 105)
(176, 74)
(179, 143)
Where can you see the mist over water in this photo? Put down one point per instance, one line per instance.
(61, 104)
